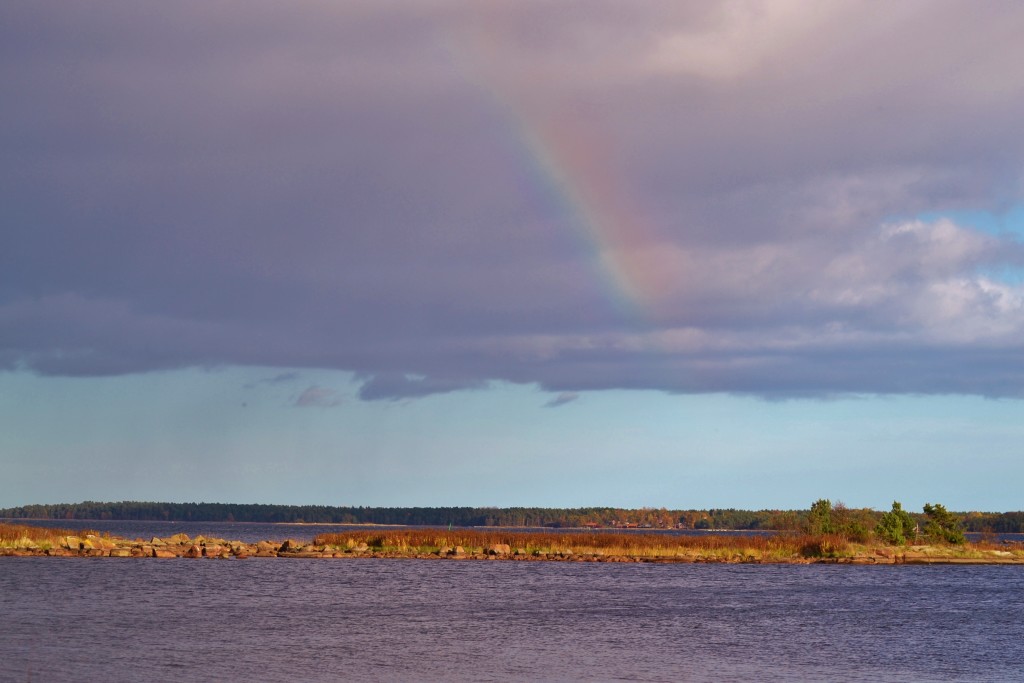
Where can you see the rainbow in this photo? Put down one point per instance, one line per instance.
(571, 165)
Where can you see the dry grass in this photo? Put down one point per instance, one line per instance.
(12, 533)
(624, 544)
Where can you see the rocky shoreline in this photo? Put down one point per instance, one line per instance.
(182, 546)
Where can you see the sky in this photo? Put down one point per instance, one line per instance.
(661, 254)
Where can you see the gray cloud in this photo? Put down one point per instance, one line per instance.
(319, 397)
(352, 187)
(280, 378)
(562, 399)
(392, 386)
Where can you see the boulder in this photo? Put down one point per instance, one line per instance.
(499, 549)
(119, 552)
(194, 551)
(360, 548)
(290, 546)
(157, 542)
(71, 542)
(158, 552)
(99, 542)
(265, 547)
(178, 539)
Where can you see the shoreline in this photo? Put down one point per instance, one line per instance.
(475, 545)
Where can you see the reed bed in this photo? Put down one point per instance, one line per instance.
(624, 544)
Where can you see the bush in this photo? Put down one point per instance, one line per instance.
(819, 519)
(896, 526)
(828, 545)
(942, 526)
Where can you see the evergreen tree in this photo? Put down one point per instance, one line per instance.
(942, 526)
(896, 526)
(819, 519)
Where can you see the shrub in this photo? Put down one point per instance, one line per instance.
(896, 526)
(942, 526)
(819, 519)
(828, 545)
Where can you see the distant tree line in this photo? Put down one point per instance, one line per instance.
(427, 516)
(855, 522)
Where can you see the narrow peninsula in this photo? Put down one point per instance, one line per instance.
(19, 540)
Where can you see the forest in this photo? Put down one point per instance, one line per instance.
(602, 517)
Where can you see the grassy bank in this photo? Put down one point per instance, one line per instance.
(20, 540)
(710, 547)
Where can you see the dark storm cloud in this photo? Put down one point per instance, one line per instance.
(349, 186)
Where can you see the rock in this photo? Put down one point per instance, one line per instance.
(98, 542)
(459, 550)
(265, 547)
(499, 549)
(194, 551)
(157, 542)
(360, 548)
(119, 552)
(300, 554)
(290, 546)
(71, 542)
(178, 539)
(158, 552)
(444, 550)
(520, 552)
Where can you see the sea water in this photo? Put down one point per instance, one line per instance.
(106, 619)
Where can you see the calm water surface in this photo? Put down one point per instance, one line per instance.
(77, 619)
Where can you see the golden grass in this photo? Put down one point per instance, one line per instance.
(12, 533)
(777, 546)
